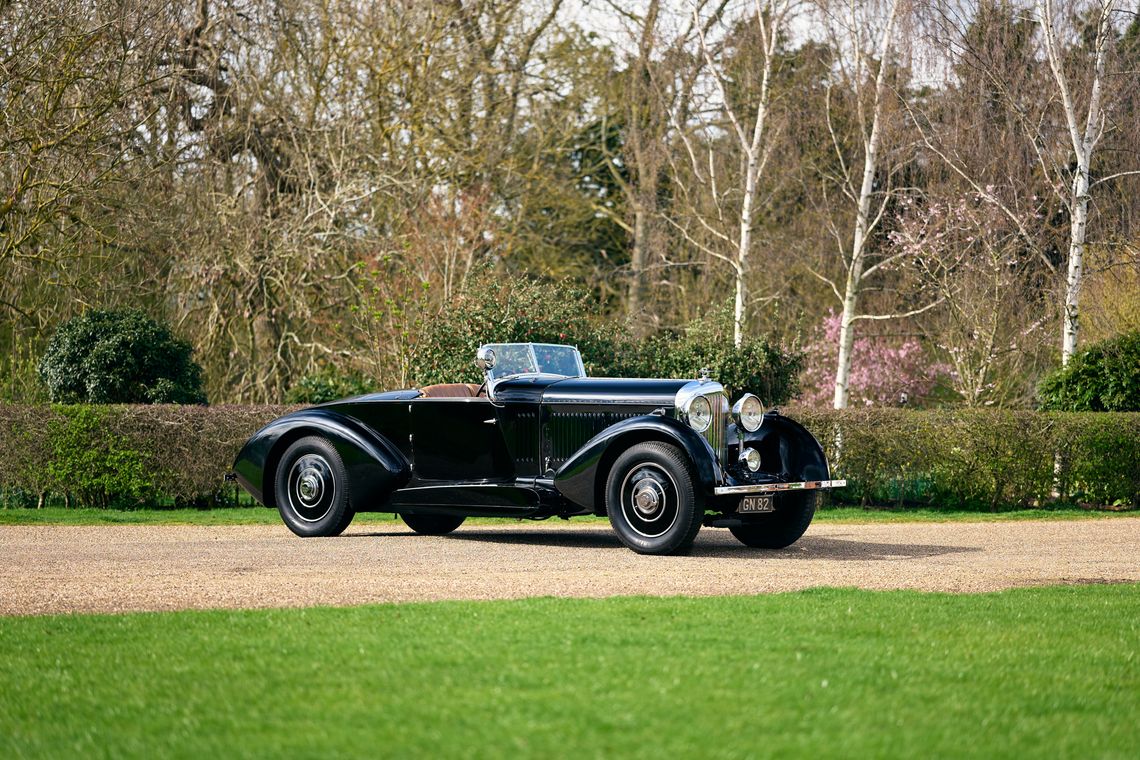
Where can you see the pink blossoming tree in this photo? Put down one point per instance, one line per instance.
(882, 369)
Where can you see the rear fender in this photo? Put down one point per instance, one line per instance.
(375, 467)
(582, 478)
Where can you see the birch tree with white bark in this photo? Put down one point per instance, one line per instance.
(1085, 132)
(865, 34)
(726, 233)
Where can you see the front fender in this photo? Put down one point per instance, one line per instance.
(375, 467)
(581, 477)
(786, 447)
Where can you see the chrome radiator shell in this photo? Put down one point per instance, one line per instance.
(717, 432)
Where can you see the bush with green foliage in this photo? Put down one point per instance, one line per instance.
(327, 385)
(119, 357)
(981, 459)
(122, 456)
(755, 365)
(497, 309)
(1105, 377)
(89, 461)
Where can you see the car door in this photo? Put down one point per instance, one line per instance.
(458, 439)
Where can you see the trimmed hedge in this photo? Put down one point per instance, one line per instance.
(123, 456)
(980, 459)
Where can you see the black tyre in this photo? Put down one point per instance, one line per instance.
(650, 498)
(432, 525)
(784, 526)
(311, 489)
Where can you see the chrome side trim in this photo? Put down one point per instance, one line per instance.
(774, 487)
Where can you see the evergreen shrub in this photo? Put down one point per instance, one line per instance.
(756, 365)
(1105, 377)
(119, 357)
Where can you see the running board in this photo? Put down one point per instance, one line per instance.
(805, 485)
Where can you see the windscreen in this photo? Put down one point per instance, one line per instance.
(527, 358)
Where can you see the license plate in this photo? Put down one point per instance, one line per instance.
(756, 504)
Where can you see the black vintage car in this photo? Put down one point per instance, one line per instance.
(539, 439)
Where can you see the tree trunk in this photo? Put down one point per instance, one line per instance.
(637, 261)
(855, 268)
(643, 134)
(1075, 275)
(744, 243)
(846, 342)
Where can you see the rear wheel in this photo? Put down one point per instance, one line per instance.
(783, 527)
(650, 498)
(432, 525)
(311, 489)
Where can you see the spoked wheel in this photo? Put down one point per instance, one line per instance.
(651, 501)
(312, 489)
(781, 528)
(432, 525)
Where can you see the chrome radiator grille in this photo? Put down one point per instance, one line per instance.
(716, 435)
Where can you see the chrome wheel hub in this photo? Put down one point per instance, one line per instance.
(648, 497)
(649, 500)
(312, 489)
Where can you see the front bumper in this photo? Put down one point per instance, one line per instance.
(805, 485)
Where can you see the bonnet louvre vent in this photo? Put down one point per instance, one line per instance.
(568, 431)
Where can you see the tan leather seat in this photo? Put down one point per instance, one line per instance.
(450, 390)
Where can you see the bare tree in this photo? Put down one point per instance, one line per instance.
(658, 80)
(968, 252)
(750, 130)
(73, 113)
(1037, 153)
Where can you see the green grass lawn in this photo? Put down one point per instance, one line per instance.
(263, 516)
(1050, 672)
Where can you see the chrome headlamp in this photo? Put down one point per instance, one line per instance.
(748, 413)
(699, 413)
(750, 458)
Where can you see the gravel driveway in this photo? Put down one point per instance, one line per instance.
(51, 569)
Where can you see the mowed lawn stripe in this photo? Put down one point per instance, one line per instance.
(832, 672)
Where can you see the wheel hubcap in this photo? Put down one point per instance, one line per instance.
(648, 497)
(312, 488)
(649, 500)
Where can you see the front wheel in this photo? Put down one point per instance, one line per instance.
(782, 528)
(312, 489)
(432, 525)
(650, 498)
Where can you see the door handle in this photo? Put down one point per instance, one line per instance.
(489, 422)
